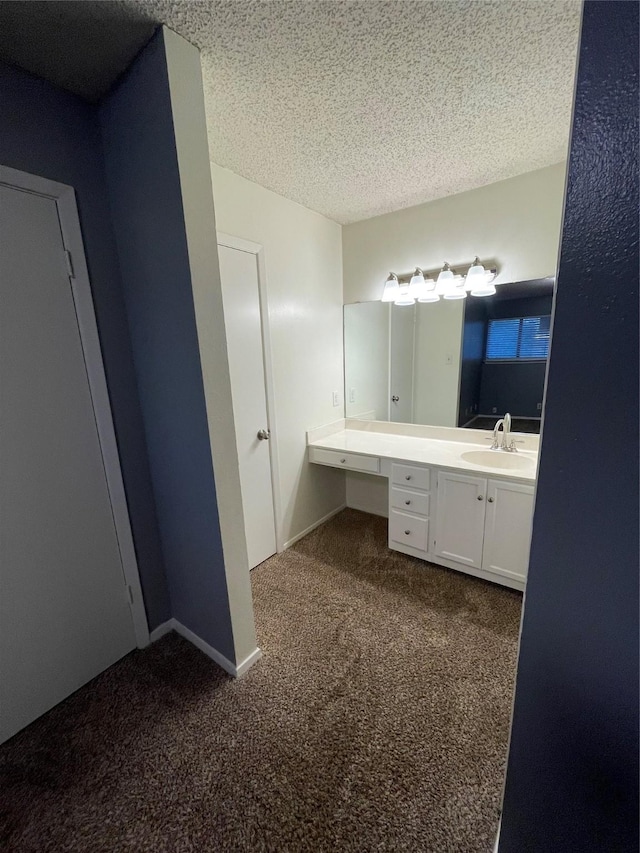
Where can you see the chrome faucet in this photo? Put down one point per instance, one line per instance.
(509, 446)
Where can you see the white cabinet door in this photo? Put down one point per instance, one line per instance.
(460, 518)
(508, 529)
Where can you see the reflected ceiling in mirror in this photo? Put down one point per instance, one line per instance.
(450, 363)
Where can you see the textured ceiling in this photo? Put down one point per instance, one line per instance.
(351, 108)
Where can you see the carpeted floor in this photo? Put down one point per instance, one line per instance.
(377, 720)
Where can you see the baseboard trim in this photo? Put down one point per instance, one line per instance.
(313, 526)
(248, 662)
(161, 630)
(368, 510)
(235, 670)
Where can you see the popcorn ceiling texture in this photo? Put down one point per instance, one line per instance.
(355, 109)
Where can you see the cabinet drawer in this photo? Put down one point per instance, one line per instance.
(417, 502)
(345, 460)
(408, 530)
(409, 475)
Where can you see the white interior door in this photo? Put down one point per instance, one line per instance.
(460, 512)
(64, 614)
(401, 367)
(241, 301)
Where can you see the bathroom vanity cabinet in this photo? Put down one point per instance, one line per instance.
(476, 519)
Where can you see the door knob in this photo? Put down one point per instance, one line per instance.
(264, 434)
(490, 500)
(480, 498)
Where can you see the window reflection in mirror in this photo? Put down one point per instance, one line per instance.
(457, 363)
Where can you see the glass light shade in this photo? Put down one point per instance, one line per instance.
(484, 286)
(391, 289)
(450, 285)
(476, 271)
(428, 292)
(456, 291)
(416, 285)
(404, 296)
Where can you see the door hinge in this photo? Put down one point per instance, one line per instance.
(67, 255)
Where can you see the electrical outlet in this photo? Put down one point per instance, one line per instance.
(336, 398)
(352, 395)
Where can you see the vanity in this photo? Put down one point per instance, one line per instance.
(451, 499)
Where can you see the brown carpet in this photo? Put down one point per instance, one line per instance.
(377, 720)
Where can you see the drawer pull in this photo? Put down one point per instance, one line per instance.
(408, 477)
(343, 460)
(408, 503)
(407, 532)
(480, 498)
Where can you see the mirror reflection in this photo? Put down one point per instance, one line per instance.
(451, 363)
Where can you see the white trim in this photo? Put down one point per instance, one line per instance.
(235, 670)
(65, 199)
(367, 509)
(256, 249)
(313, 526)
(497, 844)
(162, 629)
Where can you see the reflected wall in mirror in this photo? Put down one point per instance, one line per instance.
(450, 363)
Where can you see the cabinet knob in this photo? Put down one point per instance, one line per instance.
(490, 500)
(407, 532)
(343, 460)
(408, 477)
(408, 503)
(480, 498)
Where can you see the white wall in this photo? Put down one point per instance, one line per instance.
(303, 258)
(515, 222)
(438, 346)
(366, 355)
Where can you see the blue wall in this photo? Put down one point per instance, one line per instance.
(572, 778)
(493, 388)
(146, 202)
(49, 132)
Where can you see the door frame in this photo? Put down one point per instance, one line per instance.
(65, 199)
(242, 245)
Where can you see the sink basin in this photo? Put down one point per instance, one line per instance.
(499, 459)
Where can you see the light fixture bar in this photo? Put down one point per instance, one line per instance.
(460, 270)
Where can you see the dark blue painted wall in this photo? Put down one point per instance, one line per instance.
(493, 388)
(572, 778)
(51, 133)
(145, 194)
(510, 387)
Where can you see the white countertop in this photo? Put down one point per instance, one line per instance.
(424, 451)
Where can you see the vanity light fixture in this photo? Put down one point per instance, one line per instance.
(409, 288)
(479, 282)
(416, 285)
(429, 292)
(404, 296)
(451, 285)
(422, 289)
(391, 288)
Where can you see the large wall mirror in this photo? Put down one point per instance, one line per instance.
(450, 363)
